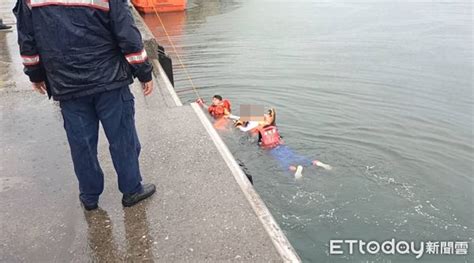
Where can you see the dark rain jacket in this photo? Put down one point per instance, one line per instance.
(80, 47)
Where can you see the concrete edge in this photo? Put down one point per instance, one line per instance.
(279, 240)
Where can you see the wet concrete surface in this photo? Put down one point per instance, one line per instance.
(199, 212)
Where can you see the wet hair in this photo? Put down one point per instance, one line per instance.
(272, 113)
(219, 97)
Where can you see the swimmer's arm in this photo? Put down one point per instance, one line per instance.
(205, 106)
(251, 125)
(201, 103)
(233, 117)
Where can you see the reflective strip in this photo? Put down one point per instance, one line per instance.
(136, 58)
(30, 60)
(99, 4)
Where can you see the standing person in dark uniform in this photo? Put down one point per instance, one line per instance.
(85, 53)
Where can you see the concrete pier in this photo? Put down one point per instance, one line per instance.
(204, 210)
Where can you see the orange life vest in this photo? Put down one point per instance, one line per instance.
(219, 110)
(269, 136)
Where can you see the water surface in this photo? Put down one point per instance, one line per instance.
(382, 91)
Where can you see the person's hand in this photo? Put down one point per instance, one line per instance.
(238, 123)
(147, 87)
(39, 86)
(200, 101)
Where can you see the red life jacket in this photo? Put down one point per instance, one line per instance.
(219, 110)
(269, 136)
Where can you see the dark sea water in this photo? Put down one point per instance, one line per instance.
(380, 90)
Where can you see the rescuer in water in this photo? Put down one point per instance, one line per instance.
(269, 138)
(219, 108)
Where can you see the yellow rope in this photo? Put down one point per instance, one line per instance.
(177, 54)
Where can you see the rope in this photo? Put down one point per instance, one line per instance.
(177, 54)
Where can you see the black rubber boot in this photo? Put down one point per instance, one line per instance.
(132, 199)
(89, 207)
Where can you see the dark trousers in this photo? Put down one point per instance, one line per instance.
(115, 110)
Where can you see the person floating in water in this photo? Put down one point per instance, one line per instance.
(269, 138)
